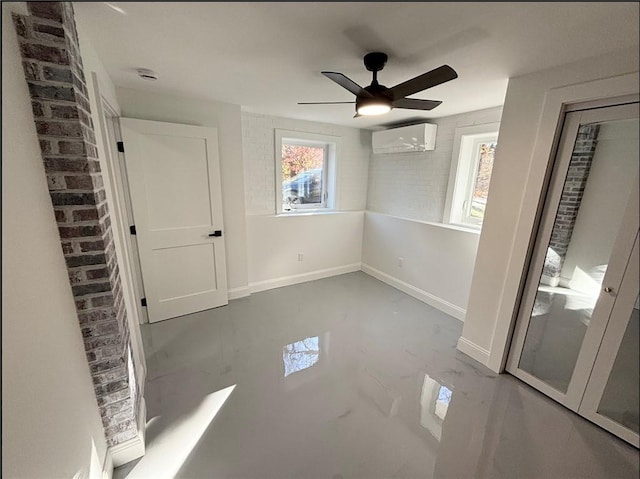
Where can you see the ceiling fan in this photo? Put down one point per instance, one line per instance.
(377, 99)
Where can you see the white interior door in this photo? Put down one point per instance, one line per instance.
(174, 180)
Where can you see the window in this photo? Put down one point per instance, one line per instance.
(304, 171)
(471, 166)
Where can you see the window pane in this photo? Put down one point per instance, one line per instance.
(302, 175)
(481, 181)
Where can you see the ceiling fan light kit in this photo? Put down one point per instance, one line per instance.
(373, 106)
(377, 99)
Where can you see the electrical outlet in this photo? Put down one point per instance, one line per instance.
(400, 262)
(300, 256)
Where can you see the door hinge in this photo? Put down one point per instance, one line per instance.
(143, 302)
(121, 146)
(132, 229)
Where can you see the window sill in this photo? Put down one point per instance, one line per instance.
(468, 228)
(450, 226)
(311, 212)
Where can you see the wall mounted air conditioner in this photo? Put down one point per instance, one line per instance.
(405, 139)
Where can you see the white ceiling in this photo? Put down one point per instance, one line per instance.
(268, 56)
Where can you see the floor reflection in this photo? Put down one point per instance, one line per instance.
(300, 355)
(434, 403)
(390, 398)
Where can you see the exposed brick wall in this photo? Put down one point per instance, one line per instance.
(54, 74)
(572, 193)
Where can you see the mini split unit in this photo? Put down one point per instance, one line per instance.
(421, 137)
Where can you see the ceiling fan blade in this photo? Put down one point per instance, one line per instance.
(414, 104)
(430, 79)
(325, 102)
(347, 83)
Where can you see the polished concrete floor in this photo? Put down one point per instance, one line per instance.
(347, 377)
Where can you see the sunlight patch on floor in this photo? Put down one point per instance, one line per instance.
(166, 453)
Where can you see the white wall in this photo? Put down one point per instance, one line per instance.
(613, 171)
(50, 417)
(331, 243)
(225, 117)
(92, 63)
(258, 138)
(437, 260)
(414, 185)
(405, 207)
(526, 139)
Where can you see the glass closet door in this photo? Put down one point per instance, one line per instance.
(586, 232)
(612, 398)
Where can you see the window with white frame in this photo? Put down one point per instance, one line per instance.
(304, 171)
(471, 167)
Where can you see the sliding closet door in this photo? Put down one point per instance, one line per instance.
(586, 233)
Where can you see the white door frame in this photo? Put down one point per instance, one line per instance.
(110, 131)
(122, 182)
(107, 115)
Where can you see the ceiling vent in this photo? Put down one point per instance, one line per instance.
(405, 139)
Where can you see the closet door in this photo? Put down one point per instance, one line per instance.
(586, 232)
(612, 396)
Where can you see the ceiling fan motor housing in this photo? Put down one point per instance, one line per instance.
(375, 61)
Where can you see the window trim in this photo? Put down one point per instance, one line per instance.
(329, 173)
(464, 164)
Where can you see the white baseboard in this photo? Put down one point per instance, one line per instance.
(432, 300)
(133, 448)
(473, 350)
(302, 278)
(237, 293)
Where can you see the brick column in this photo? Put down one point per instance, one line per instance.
(54, 73)
(572, 193)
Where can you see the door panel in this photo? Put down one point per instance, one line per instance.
(178, 165)
(174, 180)
(612, 395)
(620, 398)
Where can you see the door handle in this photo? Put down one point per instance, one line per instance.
(216, 233)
